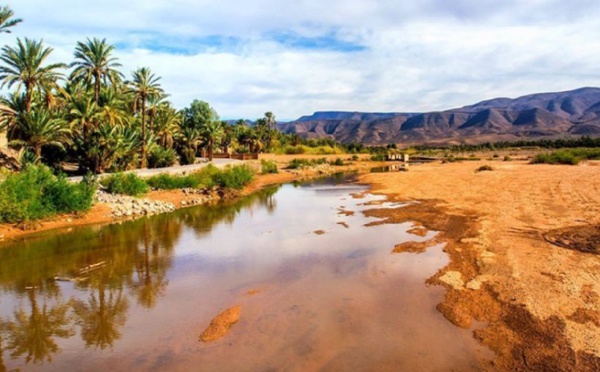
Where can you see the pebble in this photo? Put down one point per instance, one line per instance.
(122, 205)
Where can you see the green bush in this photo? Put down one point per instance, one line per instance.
(159, 157)
(294, 150)
(305, 163)
(484, 168)
(37, 193)
(188, 156)
(337, 161)
(125, 183)
(567, 156)
(268, 167)
(206, 176)
(166, 181)
(235, 177)
(378, 157)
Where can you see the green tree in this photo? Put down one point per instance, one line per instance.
(198, 114)
(24, 66)
(143, 85)
(94, 65)
(39, 128)
(211, 132)
(6, 19)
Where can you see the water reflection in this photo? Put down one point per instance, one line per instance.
(136, 295)
(32, 331)
(131, 262)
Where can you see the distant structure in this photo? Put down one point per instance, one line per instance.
(399, 157)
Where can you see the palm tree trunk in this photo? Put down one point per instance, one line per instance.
(97, 87)
(38, 151)
(143, 165)
(210, 149)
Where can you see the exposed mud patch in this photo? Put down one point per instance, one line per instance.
(319, 232)
(581, 238)
(414, 247)
(520, 340)
(221, 324)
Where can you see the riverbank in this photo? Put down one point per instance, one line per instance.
(539, 303)
(103, 212)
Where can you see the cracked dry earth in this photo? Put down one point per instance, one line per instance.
(514, 237)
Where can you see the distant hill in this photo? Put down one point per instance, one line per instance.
(575, 112)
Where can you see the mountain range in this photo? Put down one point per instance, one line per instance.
(550, 115)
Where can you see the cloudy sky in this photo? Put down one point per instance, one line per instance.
(246, 57)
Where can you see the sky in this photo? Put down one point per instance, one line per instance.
(246, 57)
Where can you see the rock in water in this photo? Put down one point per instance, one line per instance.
(220, 325)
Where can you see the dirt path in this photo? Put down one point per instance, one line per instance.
(541, 302)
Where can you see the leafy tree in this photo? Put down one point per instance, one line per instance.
(6, 19)
(211, 131)
(198, 114)
(38, 128)
(24, 67)
(95, 65)
(143, 85)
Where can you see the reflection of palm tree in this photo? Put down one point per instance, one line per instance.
(151, 269)
(33, 334)
(102, 316)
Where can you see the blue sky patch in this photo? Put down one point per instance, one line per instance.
(324, 42)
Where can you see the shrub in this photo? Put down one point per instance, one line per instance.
(557, 157)
(305, 163)
(205, 176)
(159, 157)
(294, 150)
(484, 168)
(355, 157)
(507, 158)
(37, 193)
(188, 156)
(567, 156)
(337, 161)
(268, 167)
(166, 181)
(378, 157)
(235, 177)
(125, 183)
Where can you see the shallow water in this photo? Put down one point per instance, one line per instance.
(334, 301)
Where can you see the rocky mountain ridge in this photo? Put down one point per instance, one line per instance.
(560, 114)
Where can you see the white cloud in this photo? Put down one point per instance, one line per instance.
(426, 55)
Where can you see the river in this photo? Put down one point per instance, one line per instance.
(318, 290)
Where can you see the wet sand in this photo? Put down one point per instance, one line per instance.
(540, 300)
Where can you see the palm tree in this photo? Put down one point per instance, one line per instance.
(143, 85)
(24, 67)
(94, 64)
(270, 120)
(83, 115)
(5, 19)
(38, 128)
(166, 126)
(211, 131)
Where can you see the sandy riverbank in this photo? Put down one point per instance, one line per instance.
(540, 302)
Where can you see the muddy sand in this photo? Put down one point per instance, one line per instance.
(521, 242)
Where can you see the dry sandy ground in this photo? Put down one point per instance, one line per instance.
(541, 303)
